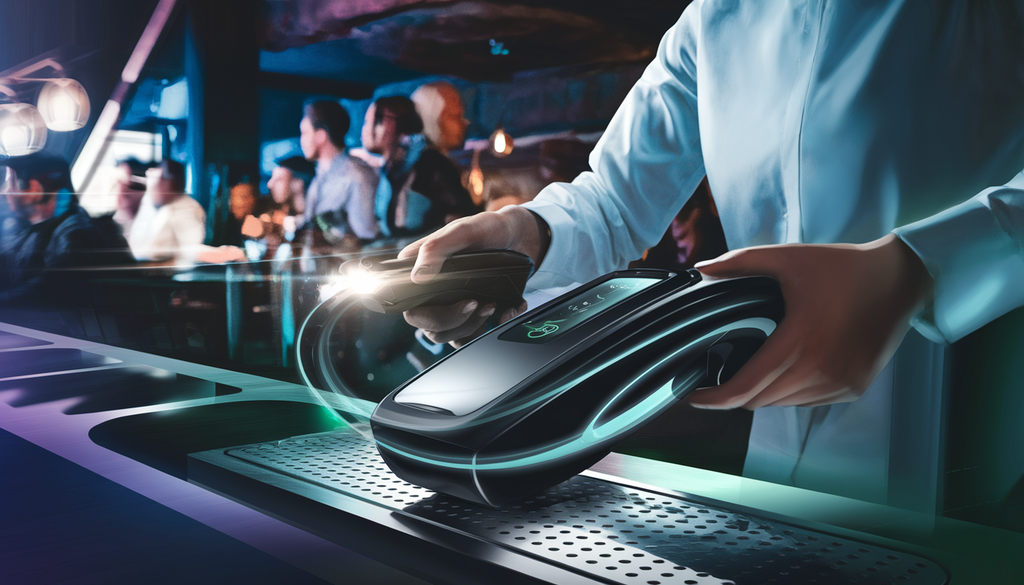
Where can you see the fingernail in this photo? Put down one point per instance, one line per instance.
(470, 307)
(487, 312)
(703, 263)
(423, 270)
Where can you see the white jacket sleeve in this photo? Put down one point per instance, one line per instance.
(975, 253)
(647, 163)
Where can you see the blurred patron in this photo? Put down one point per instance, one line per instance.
(243, 201)
(339, 211)
(275, 223)
(171, 225)
(46, 232)
(420, 189)
(444, 127)
(444, 116)
(128, 188)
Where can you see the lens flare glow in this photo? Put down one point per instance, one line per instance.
(358, 282)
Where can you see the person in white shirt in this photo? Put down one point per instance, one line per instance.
(171, 225)
(864, 154)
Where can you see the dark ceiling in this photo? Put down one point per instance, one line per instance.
(382, 41)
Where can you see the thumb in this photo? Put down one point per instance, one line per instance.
(743, 262)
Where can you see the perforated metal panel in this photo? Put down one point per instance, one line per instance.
(610, 532)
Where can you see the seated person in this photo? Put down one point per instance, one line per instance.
(444, 127)
(339, 211)
(170, 224)
(39, 236)
(243, 202)
(420, 189)
(444, 116)
(128, 188)
(278, 218)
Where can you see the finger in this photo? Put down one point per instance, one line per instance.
(795, 380)
(457, 343)
(776, 356)
(436, 248)
(762, 260)
(816, 394)
(412, 249)
(484, 230)
(464, 332)
(439, 318)
(847, 397)
(512, 313)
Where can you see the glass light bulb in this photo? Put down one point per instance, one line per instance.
(22, 130)
(64, 105)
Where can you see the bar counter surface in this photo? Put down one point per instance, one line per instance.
(95, 488)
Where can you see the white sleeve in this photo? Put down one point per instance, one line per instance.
(975, 253)
(189, 223)
(647, 163)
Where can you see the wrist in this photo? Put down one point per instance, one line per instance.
(529, 233)
(912, 280)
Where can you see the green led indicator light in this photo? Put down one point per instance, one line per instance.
(547, 328)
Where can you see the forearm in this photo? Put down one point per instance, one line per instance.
(528, 232)
(647, 163)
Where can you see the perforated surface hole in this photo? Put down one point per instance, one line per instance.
(602, 529)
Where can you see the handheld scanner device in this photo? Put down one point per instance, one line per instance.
(549, 393)
(383, 284)
(497, 276)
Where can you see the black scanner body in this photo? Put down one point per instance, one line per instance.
(489, 276)
(497, 276)
(518, 410)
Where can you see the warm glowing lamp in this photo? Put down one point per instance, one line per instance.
(64, 105)
(22, 130)
(475, 183)
(501, 142)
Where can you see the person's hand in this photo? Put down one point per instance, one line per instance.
(457, 324)
(252, 227)
(847, 309)
(221, 254)
(512, 228)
